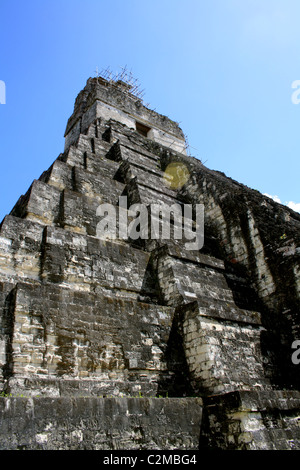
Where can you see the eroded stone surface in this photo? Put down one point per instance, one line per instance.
(84, 314)
(100, 423)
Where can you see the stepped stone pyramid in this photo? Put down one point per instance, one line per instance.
(140, 343)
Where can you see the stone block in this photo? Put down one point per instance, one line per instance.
(252, 421)
(100, 423)
(40, 204)
(113, 340)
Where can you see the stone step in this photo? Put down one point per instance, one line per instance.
(41, 203)
(91, 423)
(61, 334)
(141, 194)
(101, 165)
(87, 263)
(83, 152)
(186, 277)
(96, 185)
(148, 161)
(59, 175)
(252, 420)
(223, 354)
(144, 176)
(20, 248)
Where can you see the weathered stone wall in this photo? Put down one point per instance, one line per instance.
(87, 314)
(99, 344)
(258, 239)
(99, 424)
(223, 355)
(99, 99)
(252, 420)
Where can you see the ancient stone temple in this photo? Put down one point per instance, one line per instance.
(114, 335)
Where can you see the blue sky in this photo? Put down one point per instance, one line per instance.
(223, 69)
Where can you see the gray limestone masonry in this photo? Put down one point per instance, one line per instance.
(125, 343)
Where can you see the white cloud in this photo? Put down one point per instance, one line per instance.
(275, 198)
(292, 205)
